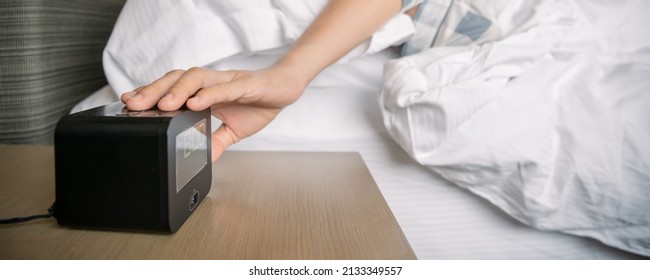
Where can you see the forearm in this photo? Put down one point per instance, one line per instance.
(340, 27)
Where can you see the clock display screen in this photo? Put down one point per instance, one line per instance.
(191, 153)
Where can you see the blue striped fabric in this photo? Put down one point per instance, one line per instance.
(446, 22)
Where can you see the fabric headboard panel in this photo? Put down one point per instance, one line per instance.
(50, 59)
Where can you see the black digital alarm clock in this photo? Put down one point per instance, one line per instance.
(131, 170)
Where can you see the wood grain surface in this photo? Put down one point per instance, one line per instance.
(262, 205)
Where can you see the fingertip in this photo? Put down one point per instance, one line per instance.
(126, 96)
(169, 103)
(216, 154)
(206, 97)
(196, 103)
(137, 103)
(222, 138)
(218, 145)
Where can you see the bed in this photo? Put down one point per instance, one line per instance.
(345, 109)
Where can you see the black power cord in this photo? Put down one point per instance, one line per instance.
(50, 213)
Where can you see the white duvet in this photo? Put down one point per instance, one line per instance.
(551, 124)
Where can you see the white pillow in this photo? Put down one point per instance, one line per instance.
(151, 38)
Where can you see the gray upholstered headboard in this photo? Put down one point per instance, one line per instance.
(50, 59)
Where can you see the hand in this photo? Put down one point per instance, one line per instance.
(244, 101)
(247, 101)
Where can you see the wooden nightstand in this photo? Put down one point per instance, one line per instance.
(262, 205)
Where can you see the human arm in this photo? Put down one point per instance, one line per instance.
(246, 101)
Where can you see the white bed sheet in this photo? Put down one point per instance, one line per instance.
(340, 112)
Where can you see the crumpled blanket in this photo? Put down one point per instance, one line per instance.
(550, 123)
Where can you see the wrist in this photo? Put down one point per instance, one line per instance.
(303, 64)
(286, 81)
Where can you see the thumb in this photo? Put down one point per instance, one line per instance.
(222, 138)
